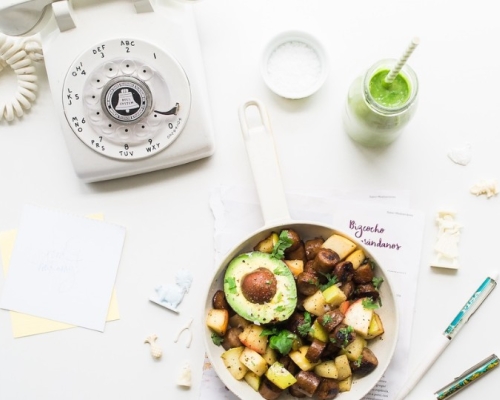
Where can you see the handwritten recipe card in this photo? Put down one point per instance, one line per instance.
(63, 267)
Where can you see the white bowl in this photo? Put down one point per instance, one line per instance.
(294, 64)
(383, 346)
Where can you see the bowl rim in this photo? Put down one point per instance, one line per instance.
(227, 379)
(291, 36)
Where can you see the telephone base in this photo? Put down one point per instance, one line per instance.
(164, 52)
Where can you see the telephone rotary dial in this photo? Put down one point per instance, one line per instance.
(123, 107)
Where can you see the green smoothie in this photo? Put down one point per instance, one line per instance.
(376, 112)
(391, 95)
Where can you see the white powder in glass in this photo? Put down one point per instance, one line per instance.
(294, 67)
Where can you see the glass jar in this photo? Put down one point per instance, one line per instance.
(371, 121)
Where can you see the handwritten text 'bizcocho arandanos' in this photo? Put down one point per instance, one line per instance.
(359, 229)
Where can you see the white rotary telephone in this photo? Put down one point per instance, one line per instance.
(126, 78)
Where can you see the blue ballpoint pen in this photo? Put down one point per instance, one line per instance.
(451, 331)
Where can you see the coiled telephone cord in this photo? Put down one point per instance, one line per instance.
(20, 54)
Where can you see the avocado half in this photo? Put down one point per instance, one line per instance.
(279, 307)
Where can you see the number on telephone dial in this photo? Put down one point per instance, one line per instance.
(128, 84)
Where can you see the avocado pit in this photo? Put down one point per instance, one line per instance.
(259, 286)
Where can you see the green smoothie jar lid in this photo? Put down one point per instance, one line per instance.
(294, 64)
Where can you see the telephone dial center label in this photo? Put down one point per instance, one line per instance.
(126, 99)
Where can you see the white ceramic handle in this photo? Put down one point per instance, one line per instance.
(261, 151)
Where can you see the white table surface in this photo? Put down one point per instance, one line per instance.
(167, 215)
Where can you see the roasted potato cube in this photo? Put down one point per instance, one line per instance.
(334, 295)
(327, 369)
(231, 359)
(376, 327)
(253, 380)
(253, 361)
(343, 367)
(218, 321)
(299, 358)
(354, 349)
(340, 245)
(345, 384)
(356, 258)
(251, 337)
(296, 266)
(280, 376)
(315, 304)
(266, 245)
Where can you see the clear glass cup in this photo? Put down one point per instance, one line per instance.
(371, 123)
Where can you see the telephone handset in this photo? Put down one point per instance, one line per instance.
(128, 85)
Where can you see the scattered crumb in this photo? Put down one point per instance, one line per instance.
(486, 187)
(460, 155)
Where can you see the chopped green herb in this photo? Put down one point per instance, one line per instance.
(269, 331)
(217, 339)
(332, 280)
(369, 304)
(280, 308)
(326, 320)
(345, 334)
(231, 282)
(377, 282)
(348, 329)
(305, 327)
(357, 363)
(283, 341)
(284, 242)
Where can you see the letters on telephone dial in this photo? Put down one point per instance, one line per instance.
(126, 79)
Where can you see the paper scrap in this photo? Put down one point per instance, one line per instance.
(63, 268)
(26, 325)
